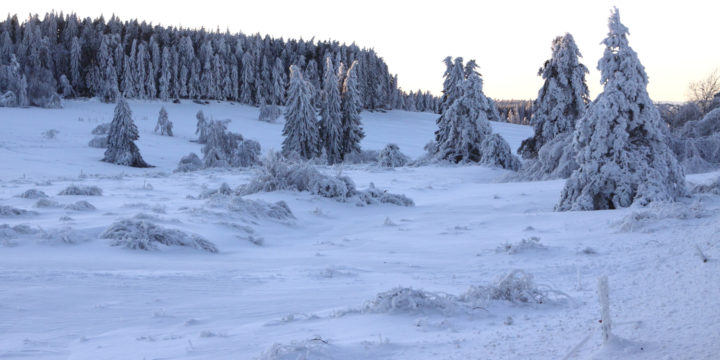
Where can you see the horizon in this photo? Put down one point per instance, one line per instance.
(509, 71)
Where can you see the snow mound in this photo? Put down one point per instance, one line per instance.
(391, 157)
(47, 203)
(143, 235)
(81, 190)
(33, 194)
(63, 236)
(6, 210)
(81, 205)
(402, 300)
(8, 233)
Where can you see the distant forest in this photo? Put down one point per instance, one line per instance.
(64, 56)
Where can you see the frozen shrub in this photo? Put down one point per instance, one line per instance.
(6, 210)
(269, 113)
(8, 99)
(256, 208)
(190, 162)
(101, 129)
(391, 157)
(47, 203)
(374, 195)
(225, 149)
(303, 350)
(712, 188)
(555, 160)
(82, 190)
(163, 125)
(361, 157)
(33, 194)
(517, 287)
(50, 134)
(223, 190)
(99, 142)
(81, 205)
(496, 152)
(528, 244)
(410, 301)
(64, 235)
(247, 153)
(54, 103)
(143, 235)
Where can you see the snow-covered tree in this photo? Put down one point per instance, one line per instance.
(562, 98)
(351, 107)
(201, 128)
(301, 128)
(65, 87)
(164, 126)
(121, 148)
(165, 75)
(622, 154)
(331, 130)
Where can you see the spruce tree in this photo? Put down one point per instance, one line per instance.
(562, 98)
(301, 129)
(351, 108)
(164, 126)
(165, 75)
(621, 151)
(121, 149)
(330, 115)
(454, 75)
(201, 127)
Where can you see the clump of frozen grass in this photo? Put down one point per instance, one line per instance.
(47, 203)
(517, 287)
(402, 300)
(98, 142)
(82, 190)
(143, 235)
(33, 194)
(81, 205)
(258, 209)
(391, 157)
(656, 212)
(101, 129)
(278, 173)
(528, 244)
(6, 210)
(50, 134)
(188, 163)
(223, 190)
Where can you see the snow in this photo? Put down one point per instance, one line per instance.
(300, 286)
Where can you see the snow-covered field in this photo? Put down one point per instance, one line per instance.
(334, 280)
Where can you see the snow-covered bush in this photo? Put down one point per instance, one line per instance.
(143, 235)
(401, 300)
(697, 144)
(269, 112)
(33, 194)
(517, 287)
(555, 160)
(99, 142)
(6, 210)
(190, 162)
(528, 244)
(391, 157)
(225, 149)
(81, 190)
(316, 348)
(81, 205)
(623, 158)
(374, 195)
(50, 134)
(497, 153)
(121, 149)
(247, 153)
(361, 157)
(164, 126)
(64, 235)
(101, 129)
(256, 208)
(47, 203)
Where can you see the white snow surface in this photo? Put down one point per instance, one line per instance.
(307, 286)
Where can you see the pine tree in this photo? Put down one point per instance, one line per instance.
(165, 75)
(622, 155)
(330, 115)
(351, 108)
(75, 54)
(454, 75)
(128, 80)
(201, 127)
(300, 130)
(164, 126)
(562, 98)
(121, 149)
(279, 80)
(150, 88)
(248, 78)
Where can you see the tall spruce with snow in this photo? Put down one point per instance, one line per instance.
(622, 155)
(562, 98)
(454, 74)
(351, 107)
(330, 115)
(301, 128)
(164, 126)
(121, 149)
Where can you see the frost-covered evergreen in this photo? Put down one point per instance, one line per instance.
(562, 98)
(622, 155)
(331, 129)
(121, 148)
(268, 112)
(201, 128)
(225, 149)
(164, 126)
(351, 107)
(301, 128)
(391, 157)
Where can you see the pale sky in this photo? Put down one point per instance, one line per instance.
(677, 41)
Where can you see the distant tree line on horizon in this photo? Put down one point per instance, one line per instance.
(65, 56)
